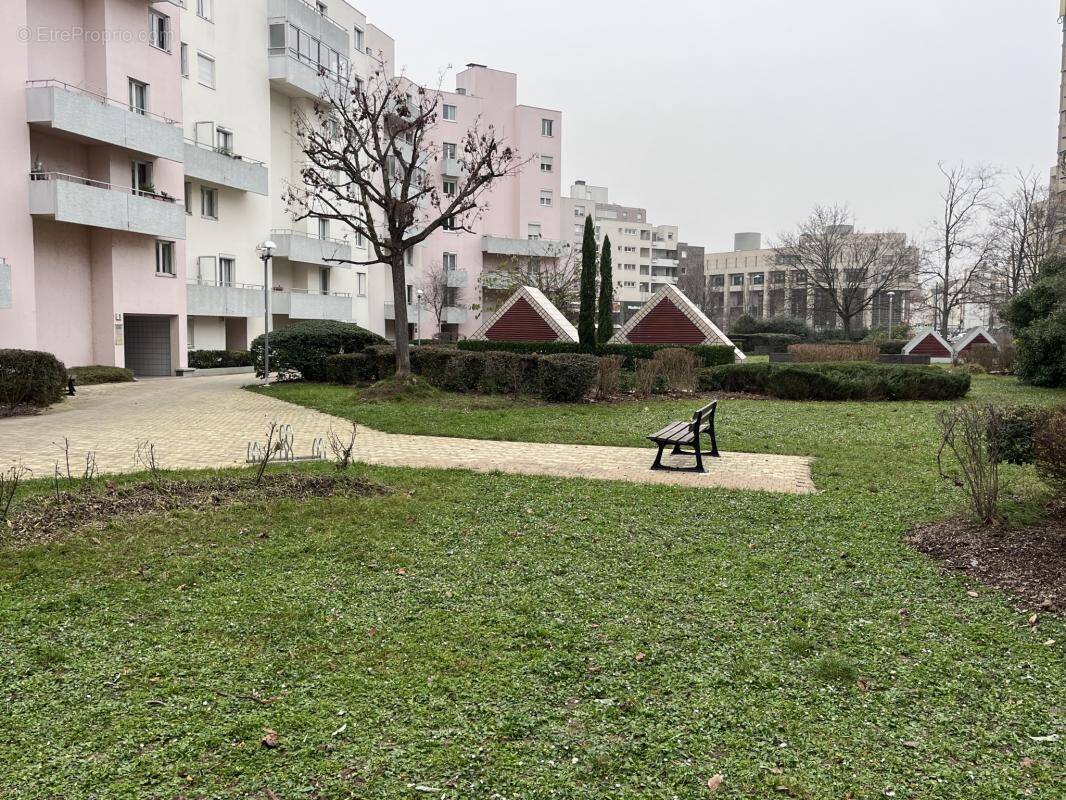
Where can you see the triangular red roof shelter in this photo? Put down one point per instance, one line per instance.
(527, 316)
(929, 342)
(669, 317)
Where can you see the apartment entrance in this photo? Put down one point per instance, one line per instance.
(148, 345)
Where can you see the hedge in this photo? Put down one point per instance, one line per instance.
(710, 355)
(31, 377)
(765, 342)
(302, 349)
(217, 359)
(838, 381)
(97, 374)
(567, 377)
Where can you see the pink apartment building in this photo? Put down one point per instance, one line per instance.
(522, 219)
(92, 148)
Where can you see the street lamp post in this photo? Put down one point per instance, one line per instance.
(891, 295)
(266, 252)
(418, 332)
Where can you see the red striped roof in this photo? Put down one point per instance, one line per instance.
(666, 324)
(521, 323)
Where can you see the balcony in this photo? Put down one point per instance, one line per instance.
(85, 116)
(453, 315)
(210, 165)
(659, 280)
(669, 263)
(307, 249)
(212, 299)
(307, 18)
(457, 278)
(6, 299)
(412, 312)
(297, 76)
(79, 201)
(308, 304)
(452, 168)
(508, 246)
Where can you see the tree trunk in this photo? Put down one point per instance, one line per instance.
(399, 299)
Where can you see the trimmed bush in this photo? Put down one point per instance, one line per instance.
(567, 377)
(609, 376)
(808, 353)
(97, 374)
(31, 377)
(351, 368)
(839, 381)
(1037, 318)
(746, 324)
(508, 373)
(1049, 450)
(709, 355)
(216, 359)
(763, 343)
(301, 349)
(383, 360)
(463, 372)
(680, 368)
(892, 347)
(1014, 433)
(432, 362)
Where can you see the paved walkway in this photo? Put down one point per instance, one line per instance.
(208, 422)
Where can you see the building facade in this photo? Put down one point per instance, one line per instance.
(157, 143)
(752, 280)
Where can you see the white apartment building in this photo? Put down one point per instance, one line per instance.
(644, 257)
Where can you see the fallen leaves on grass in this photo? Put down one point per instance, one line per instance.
(714, 783)
(270, 739)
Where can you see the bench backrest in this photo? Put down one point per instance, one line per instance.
(704, 415)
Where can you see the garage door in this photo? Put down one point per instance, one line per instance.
(148, 345)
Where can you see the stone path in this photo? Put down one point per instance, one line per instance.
(208, 422)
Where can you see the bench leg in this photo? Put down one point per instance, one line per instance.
(659, 458)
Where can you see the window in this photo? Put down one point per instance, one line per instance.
(579, 229)
(204, 10)
(276, 41)
(449, 224)
(736, 280)
(323, 229)
(451, 113)
(449, 188)
(224, 137)
(164, 258)
(138, 97)
(184, 60)
(141, 177)
(547, 127)
(545, 197)
(205, 72)
(360, 40)
(449, 150)
(717, 281)
(360, 284)
(323, 280)
(188, 198)
(205, 269)
(757, 278)
(322, 9)
(629, 249)
(227, 269)
(579, 211)
(359, 242)
(451, 261)
(547, 164)
(159, 30)
(533, 230)
(208, 203)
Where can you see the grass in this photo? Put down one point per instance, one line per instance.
(91, 376)
(505, 636)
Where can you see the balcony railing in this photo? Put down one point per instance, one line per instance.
(225, 168)
(100, 98)
(299, 75)
(308, 248)
(213, 298)
(325, 17)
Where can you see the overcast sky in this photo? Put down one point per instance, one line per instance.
(734, 115)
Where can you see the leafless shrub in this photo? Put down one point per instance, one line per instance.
(1049, 450)
(9, 484)
(834, 352)
(646, 375)
(972, 433)
(63, 477)
(147, 460)
(342, 448)
(263, 453)
(680, 367)
(609, 376)
(992, 358)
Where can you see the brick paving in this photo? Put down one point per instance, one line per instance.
(208, 422)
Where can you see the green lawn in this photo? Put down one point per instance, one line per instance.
(499, 636)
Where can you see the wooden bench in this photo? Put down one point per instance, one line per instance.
(681, 434)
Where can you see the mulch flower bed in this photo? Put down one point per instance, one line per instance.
(50, 518)
(1029, 562)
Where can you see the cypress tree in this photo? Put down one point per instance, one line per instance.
(586, 318)
(605, 324)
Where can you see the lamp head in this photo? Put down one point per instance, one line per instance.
(266, 249)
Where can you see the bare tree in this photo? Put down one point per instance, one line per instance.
(372, 163)
(961, 247)
(1023, 226)
(437, 294)
(557, 274)
(846, 267)
(694, 286)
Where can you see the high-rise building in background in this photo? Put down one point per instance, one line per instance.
(644, 257)
(157, 144)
